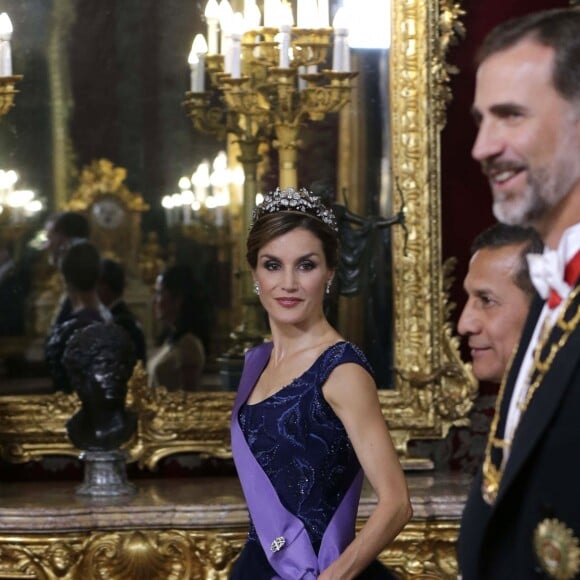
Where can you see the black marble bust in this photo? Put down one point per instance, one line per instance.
(99, 360)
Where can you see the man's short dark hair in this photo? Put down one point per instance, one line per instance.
(71, 225)
(81, 266)
(558, 29)
(113, 276)
(501, 235)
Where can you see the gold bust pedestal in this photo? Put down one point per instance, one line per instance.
(190, 528)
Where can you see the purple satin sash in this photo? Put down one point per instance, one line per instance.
(296, 558)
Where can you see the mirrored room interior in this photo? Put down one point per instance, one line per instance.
(164, 132)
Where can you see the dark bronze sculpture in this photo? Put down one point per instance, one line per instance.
(100, 359)
(365, 248)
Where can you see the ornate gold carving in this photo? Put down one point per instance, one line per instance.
(100, 178)
(63, 17)
(433, 388)
(7, 93)
(450, 30)
(131, 555)
(423, 550)
(169, 422)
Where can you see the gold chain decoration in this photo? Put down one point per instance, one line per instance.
(492, 475)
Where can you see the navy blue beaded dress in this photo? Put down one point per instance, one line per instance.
(305, 451)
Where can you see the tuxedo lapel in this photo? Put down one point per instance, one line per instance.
(535, 310)
(543, 405)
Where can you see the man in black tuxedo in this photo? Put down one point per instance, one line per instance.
(522, 517)
(110, 289)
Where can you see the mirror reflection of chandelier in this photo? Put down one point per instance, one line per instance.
(16, 205)
(206, 195)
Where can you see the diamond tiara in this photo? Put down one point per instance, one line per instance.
(300, 200)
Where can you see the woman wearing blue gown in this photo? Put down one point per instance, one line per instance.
(307, 423)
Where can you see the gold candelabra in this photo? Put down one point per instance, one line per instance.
(12, 228)
(7, 92)
(271, 103)
(266, 97)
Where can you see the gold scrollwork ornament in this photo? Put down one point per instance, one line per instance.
(557, 549)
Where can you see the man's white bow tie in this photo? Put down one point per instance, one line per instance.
(548, 273)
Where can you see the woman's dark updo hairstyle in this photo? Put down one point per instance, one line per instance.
(273, 225)
(195, 313)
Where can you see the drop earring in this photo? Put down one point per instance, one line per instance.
(256, 288)
(328, 285)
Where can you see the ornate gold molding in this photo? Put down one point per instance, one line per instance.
(423, 550)
(102, 177)
(131, 555)
(433, 388)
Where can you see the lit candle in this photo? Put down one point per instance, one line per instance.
(193, 62)
(212, 18)
(340, 47)
(167, 204)
(5, 50)
(323, 14)
(236, 46)
(272, 13)
(187, 198)
(286, 21)
(307, 14)
(197, 63)
(252, 15)
(225, 16)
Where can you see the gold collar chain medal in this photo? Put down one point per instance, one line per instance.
(568, 320)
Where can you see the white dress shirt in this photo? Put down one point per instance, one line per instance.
(567, 248)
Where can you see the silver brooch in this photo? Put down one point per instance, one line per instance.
(278, 544)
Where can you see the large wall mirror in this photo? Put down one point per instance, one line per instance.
(102, 88)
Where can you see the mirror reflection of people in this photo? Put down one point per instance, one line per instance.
(62, 230)
(13, 291)
(99, 359)
(80, 269)
(110, 289)
(522, 517)
(180, 360)
(307, 422)
(499, 293)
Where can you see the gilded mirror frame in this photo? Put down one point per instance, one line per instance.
(433, 390)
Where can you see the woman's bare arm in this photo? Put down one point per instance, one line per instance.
(352, 393)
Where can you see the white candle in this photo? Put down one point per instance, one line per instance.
(286, 21)
(226, 16)
(193, 61)
(200, 49)
(252, 15)
(187, 199)
(301, 81)
(167, 204)
(272, 13)
(236, 45)
(346, 54)
(212, 18)
(301, 13)
(323, 14)
(338, 50)
(307, 14)
(5, 48)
